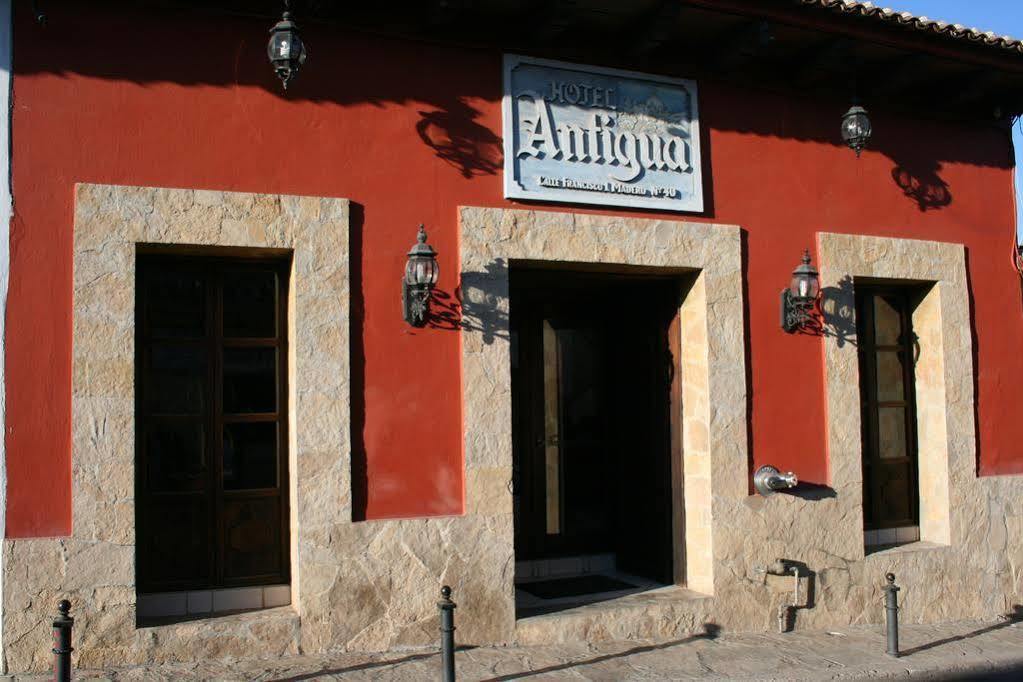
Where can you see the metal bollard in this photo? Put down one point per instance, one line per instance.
(891, 607)
(62, 642)
(447, 635)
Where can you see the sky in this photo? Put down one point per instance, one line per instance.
(1004, 17)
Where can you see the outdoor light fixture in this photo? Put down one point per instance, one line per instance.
(856, 128)
(799, 299)
(421, 273)
(286, 49)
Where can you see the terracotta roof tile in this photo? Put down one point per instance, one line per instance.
(888, 15)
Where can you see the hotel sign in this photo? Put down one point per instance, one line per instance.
(588, 135)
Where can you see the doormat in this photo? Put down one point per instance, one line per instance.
(574, 587)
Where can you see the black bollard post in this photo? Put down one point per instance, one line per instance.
(62, 642)
(891, 607)
(447, 635)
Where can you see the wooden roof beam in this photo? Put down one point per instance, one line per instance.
(657, 29)
(896, 76)
(559, 16)
(751, 39)
(821, 61)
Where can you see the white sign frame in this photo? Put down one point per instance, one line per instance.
(514, 190)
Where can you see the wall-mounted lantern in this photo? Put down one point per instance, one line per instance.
(800, 298)
(421, 272)
(856, 128)
(286, 50)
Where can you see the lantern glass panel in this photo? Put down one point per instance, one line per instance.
(864, 124)
(804, 286)
(297, 49)
(856, 127)
(421, 270)
(280, 46)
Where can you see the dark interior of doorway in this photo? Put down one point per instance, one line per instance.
(594, 386)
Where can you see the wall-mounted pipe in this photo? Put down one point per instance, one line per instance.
(768, 479)
(785, 611)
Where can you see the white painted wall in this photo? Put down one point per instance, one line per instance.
(6, 50)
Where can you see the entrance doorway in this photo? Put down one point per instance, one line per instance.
(211, 419)
(594, 386)
(887, 354)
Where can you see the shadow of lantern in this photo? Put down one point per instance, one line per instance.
(923, 185)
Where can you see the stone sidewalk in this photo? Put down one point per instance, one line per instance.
(957, 651)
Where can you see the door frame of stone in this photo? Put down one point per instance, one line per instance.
(712, 359)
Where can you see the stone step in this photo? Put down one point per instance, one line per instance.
(662, 613)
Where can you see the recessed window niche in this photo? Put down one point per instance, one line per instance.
(923, 284)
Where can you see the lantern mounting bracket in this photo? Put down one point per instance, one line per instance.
(795, 314)
(415, 303)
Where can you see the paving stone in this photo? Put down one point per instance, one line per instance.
(962, 650)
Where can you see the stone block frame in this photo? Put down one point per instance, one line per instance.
(369, 585)
(712, 362)
(95, 565)
(944, 368)
(966, 564)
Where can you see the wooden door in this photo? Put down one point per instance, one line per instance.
(887, 353)
(211, 407)
(591, 374)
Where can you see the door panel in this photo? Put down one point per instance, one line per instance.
(175, 548)
(551, 439)
(251, 540)
(886, 347)
(591, 436)
(211, 413)
(176, 454)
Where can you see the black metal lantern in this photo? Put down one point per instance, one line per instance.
(286, 50)
(421, 272)
(800, 298)
(856, 128)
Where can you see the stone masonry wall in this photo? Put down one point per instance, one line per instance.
(373, 585)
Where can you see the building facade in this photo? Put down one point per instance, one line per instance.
(224, 440)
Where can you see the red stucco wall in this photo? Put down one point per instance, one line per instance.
(409, 132)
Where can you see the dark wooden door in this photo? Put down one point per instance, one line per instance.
(887, 353)
(211, 423)
(591, 374)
